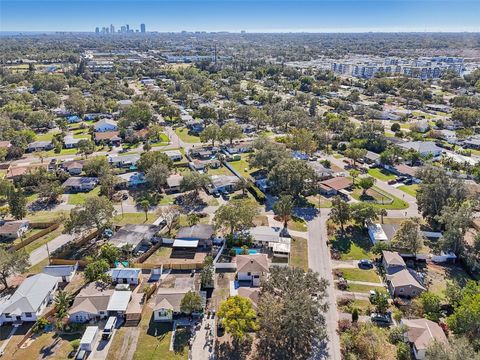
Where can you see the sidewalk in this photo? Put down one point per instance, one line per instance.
(204, 340)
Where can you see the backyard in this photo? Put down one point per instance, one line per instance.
(439, 276)
(360, 275)
(375, 196)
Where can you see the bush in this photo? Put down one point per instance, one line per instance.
(354, 315)
(344, 301)
(344, 325)
(75, 344)
(395, 127)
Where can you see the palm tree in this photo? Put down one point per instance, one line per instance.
(383, 213)
(145, 204)
(284, 208)
(62, 302)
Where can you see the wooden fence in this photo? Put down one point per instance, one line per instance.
(34, 237)
(57, 261)
(147, 254)
(172, 266)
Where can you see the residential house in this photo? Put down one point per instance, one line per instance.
(73, 119)
(105, 125)
(11, 230)
(167, 303)
(252, 268)
(371, 158)
(421, 126)
(108, 137)
(137, 236)
(129, 276)
(173, 183)
(69, 142)
(65, 273)
(223, 184)
(404, 170)
(425, 148)
(335, 185)
(29, 300)
(264, 235)
(80, 184)
(73, 167)
(239, 148)
(194, 236)
(400, 280)
(421, 333)
(91, 303)
(174, 155)
(321, 172)
(132, 179)
(381, 232)
(40, 146)
(124, 161)
(198, 165)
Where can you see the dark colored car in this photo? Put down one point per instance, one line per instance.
(365, 264)
(81, 355)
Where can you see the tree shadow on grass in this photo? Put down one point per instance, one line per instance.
(354, 235)
(231, 351)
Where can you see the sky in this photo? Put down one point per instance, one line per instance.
(248, 15)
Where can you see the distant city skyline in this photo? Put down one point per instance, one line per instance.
(249, 15)
(123, 29)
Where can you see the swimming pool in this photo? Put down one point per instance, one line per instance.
(239, 251)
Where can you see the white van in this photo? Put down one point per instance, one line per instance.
(108, 330)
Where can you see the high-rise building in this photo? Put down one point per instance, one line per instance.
(97, 30)
(128, 28)
(123, 29)
(112, 29)
(142, 28)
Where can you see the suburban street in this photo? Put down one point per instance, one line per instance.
(319, 261)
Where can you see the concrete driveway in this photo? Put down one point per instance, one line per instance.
(40, 254)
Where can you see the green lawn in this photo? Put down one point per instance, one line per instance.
(46, 216)
(409, 189)
(62, 152)
(297, 224)
(163, 141)
(360, 275)
(362, 288)
(381, 174)
(222, 170)
(134, 218)
(324, 202)
(183, 134)
(166, 200)
(154, 340)
(376, 193)
(242, 165)
(45, 137)
(353, 245)
(299, 253)
(79, 198)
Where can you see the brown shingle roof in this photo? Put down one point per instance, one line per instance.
(169, 298)
(337, 183)
(423, 332)
(107, 135)
(252, 263)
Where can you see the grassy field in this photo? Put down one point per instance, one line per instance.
(45, 216)
(183, 134)
(353, 245)
(154, 340)
(360, 275)
(222, 170)
(362, 305)
(79, 198)
(409, 189)
(381, 174)
(242, 165)
(297, 224)
(299, 253)
(324, 202)
(46, 137)
(134, 218)
(163, 141)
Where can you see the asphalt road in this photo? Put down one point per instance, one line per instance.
(319, 261)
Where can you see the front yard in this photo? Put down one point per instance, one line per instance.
(360, 275)
(154, 340)
(353, 245)
(79, 198)
(183, 134)
(299, 253)
(381, 174)
(134, 218)
(409, 189)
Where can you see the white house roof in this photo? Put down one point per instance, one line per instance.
(119, 301)
(60, 270)
(376, 233)
(265, 234)
(104, 122)
(29, 295)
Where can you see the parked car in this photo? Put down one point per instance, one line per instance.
(381, 319)
(109, 327)
(81, 355)
(408, 182)
(391, 182)
(365, 264)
